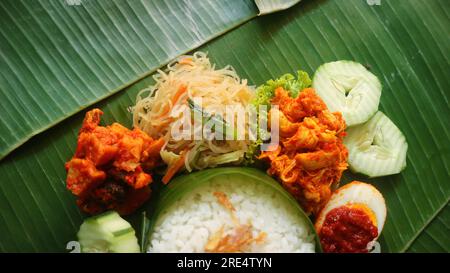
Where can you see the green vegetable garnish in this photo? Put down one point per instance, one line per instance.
(264, 95)
(222, 127)
(265, 92)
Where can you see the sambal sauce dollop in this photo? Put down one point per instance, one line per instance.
(347, 229)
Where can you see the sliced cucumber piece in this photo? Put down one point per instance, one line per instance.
(107, 232)
(348, 87)
(377, 147)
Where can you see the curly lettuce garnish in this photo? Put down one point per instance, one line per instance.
(265, 92)
(264, 95)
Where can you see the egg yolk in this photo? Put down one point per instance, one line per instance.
(367, 210)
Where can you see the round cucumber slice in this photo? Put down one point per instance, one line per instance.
(377, 147)
(107, 232)
(348, 87)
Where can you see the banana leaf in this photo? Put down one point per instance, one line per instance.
(404, 42)
(59, 56)
(434, 238)
(270, 6)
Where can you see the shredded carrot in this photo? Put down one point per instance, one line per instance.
(179, 93)
(165, 111)
(187, 60)
(174, 168)
(174, 100)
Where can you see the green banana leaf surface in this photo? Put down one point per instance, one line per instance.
(403, 42)
(59, 56)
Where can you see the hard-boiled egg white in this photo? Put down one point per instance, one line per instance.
(358, 195)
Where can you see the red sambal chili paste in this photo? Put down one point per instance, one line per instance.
(347, 230)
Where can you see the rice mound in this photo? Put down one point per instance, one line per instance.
(187, 225)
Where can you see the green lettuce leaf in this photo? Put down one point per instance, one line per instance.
(265, 92)
(264, 95)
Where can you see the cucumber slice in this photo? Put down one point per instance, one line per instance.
(348, 87)
(376, 148)
(107, 232)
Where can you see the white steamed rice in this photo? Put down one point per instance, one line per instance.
(187, 224)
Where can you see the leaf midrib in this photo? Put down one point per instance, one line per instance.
(425, 225)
